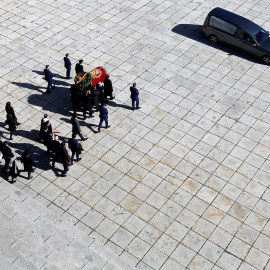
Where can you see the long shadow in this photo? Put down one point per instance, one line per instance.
(114, 104)
(55, 81)
(29, 86)
(193, 31)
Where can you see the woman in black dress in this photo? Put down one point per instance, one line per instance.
(11, 125)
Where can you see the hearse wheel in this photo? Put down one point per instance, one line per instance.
(213, 39)
(266, 59)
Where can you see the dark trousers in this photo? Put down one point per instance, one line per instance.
(73, 154)
(7, 160)
(89, 110)
(100, 123)
(65, 169)
(68, 72)
(50, 86)
(133, 104)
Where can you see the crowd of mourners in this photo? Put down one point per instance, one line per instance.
(87, 100)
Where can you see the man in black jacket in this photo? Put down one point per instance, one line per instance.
(67, 65)
(79, 67)
(74, 147)
(7, 155)
(108, 89)
(87, 104)
(55, 147)
(76, 128)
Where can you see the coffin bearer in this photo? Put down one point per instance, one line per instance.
(79, 67)
(48, 78)
(67, 65)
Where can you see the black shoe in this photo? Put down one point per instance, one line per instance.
(85, 139)
(78, 159)
(63, 175)
(138, 108)
(17, 124)
(112, 98)
(10, 139)
(53, 86)
(84, 118)
(30, 177)
(48, 92)
(108, 126)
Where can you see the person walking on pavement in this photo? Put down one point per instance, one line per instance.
(67, 65)
(7, 155)
(134, 96)
(14, 169)
(48, 78)
(103, 115)
(108, 88)
(64, 158)
(47, 139)
(28, 163)
(79, 67)
(11, 125)
(87, 106)
(74, 147)
(10, 110)
(76, 128)
(55, 147)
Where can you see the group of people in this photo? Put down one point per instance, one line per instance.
(58, 151)
(85, 100)
(11, 161)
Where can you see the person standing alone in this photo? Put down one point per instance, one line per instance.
(48, 78)
(103, 115)
(67, 65)
(134, 96)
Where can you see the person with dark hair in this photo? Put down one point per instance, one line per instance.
(103, 115)
(79, 67)
(108, 88)
(28, 163)
(76, 128)
(134, 96)
(10, 110)
(48, 78)
(74, 147)
(87, 104)
(67, 65)
(11, 125)
(64, 158)
(55, 147)
(75, 97)
(7, 155)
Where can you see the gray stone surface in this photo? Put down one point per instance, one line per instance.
(182, 183)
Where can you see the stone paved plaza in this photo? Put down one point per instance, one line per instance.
(182, 183)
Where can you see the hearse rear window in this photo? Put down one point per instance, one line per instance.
(222, 25)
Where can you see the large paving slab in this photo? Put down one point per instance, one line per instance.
(182, 183)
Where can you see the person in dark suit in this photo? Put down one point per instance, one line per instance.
(14, 169)
(11, 125)
(7, 155)
(10, 110)
(95, 95)
(28, 163)
(103, 115)
(47, 139)
(67, 65)
(76, 128)
(134, 96)
(48, 77)
(108, 88)
(64, 158)
(74, 147)
(55, 147)
(87, 104)
(79, 67)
